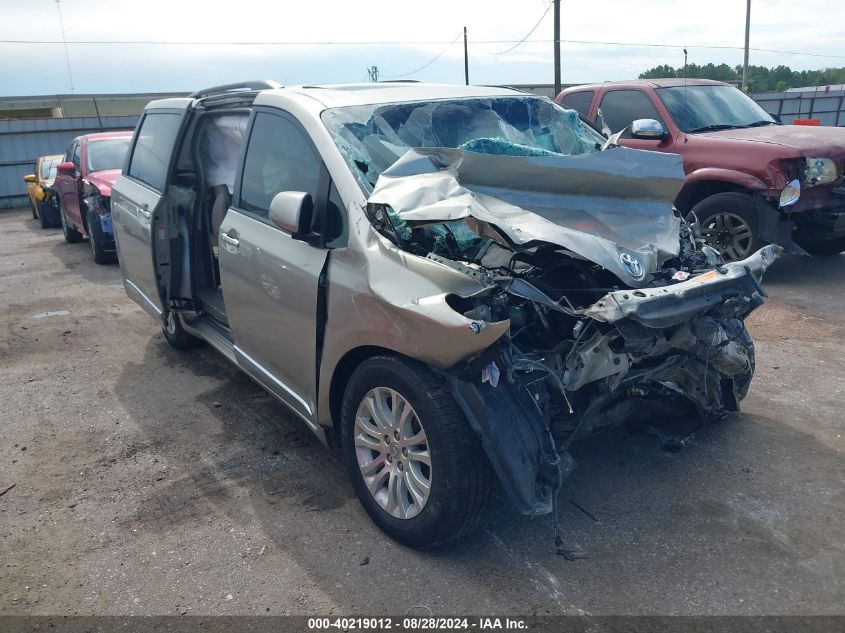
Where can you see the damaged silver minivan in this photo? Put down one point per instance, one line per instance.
(449, 283)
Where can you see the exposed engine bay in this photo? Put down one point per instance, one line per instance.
(600, 331)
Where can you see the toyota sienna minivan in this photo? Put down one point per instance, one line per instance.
(448, 283)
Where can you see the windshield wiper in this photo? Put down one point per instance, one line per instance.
(761, 123)
(717, 126)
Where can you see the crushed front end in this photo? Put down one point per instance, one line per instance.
(609, 320)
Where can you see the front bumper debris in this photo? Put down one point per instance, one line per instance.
(667, 351)
(669, 305)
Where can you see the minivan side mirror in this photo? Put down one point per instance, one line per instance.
(66, 168)
(648, 129)
(29, 178)
(291, 211)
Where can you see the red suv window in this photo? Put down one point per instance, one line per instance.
(620, 108)
(578, 101)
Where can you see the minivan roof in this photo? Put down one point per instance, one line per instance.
(338, 95)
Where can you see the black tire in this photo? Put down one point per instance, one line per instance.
(46, 214)
(729, 224)
(99, 240)
(831, 247)
(176, 334)
(72, 236)
(461, 479)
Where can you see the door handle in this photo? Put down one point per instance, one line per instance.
(145, 211)
(231, 238)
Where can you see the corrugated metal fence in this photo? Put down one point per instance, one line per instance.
(23, 141)
(828, 107)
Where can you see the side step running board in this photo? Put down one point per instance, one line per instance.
(216, 335)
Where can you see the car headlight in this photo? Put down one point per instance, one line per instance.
(790, 194)
(820, 171)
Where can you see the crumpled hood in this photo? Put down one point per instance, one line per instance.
(808, 140)
(104, 180)
(608, 207)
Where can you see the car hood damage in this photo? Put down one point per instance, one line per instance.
(613, 207)
(607, 306)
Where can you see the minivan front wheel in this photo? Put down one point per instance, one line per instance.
(418, 468)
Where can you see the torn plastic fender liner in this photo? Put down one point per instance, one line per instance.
(516, 439)
(668, 305)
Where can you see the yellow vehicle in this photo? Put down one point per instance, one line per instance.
(39, 188)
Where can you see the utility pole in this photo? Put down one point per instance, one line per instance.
(747, 37)
(557, 46)
(466, 59)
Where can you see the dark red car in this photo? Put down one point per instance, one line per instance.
(749, 179)
(83, 183)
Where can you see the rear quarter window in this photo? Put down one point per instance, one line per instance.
(151, 153)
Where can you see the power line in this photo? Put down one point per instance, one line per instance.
(429, 62)
(250, 43)
(527, 35)
(418, 42)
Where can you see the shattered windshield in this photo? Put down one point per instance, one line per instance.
(373, 137)
(704, 108)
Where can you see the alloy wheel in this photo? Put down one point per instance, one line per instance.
(729, 234)
(392, 452)
(170, 324)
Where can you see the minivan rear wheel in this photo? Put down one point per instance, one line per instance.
(729, 224)
(176, 334)
(417, 467)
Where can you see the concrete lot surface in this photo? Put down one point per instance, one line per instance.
(149, 481)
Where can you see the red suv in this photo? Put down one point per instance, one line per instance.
(749, 179)
(83, 183)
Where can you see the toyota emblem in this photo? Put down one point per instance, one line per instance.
(632, 265)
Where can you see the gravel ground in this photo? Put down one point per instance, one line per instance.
(149, 481)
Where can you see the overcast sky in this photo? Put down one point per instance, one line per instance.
(404, 27)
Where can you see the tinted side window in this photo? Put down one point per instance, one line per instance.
(151, 154)
(579, 101)
(69, 152)
(621, 107)
(279, 157)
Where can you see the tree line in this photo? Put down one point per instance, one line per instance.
(760, 78)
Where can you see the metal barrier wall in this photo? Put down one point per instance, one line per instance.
(828, 107)
(22, 141)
